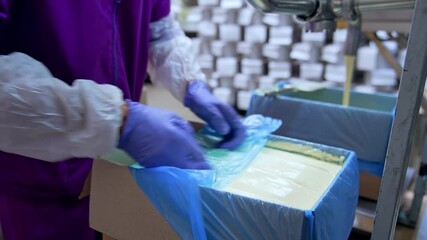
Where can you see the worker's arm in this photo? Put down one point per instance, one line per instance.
(44, 118)
(171, 59)
(173, 63)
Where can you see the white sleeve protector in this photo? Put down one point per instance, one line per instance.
(44, 118)
(171, 59)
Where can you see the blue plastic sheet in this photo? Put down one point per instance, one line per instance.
(175, 192)
(196, 210)
(229, 163)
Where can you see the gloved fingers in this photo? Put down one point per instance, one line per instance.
(182, 124)
(196, 161)
(237, 134)
(195, 157)
(215, 119)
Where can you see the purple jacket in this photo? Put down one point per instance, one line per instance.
(103, 40)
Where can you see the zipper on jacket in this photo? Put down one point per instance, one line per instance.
(115, 54)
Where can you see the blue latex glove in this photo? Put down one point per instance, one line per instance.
(220, 116)
(154, 137)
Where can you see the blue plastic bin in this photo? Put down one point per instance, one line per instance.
(363, 127)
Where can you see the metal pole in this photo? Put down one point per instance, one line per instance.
(296, 7)
(382, 6)
(408, 105)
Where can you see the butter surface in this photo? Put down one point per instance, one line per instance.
(284, 178)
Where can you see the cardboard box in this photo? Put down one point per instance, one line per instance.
(119, 209)
(115, 200)
(369, 186)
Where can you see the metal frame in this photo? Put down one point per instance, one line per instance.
(407, 108)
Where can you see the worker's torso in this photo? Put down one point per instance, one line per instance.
(102, 40)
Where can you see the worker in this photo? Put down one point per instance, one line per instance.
(71, 76)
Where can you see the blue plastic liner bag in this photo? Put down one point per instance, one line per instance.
(175, 192)
(206, 204)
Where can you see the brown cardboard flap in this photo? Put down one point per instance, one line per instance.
(86, 187)
(119, 209)
(369, 186)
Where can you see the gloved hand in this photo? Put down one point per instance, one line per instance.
(220, 116)
(154, 137)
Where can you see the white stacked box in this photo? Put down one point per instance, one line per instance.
(256, 34)
(277, 19)
(333, 53)
(243, 99)
(275, 52)
(311, 71)
(208, 3)
(227, 66)
(207, 62)
(316, 38)
(304, 52)
(221, 16)
(223, 49)
(246, 16)
(279, 70)
(281, 35)
(225, 94)
(230, 32)
(384, 77)
(245, 82)
(252, 66)
(232, 4)
(335, 73)
(340, 36)
(207, 29)
(249, 50)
